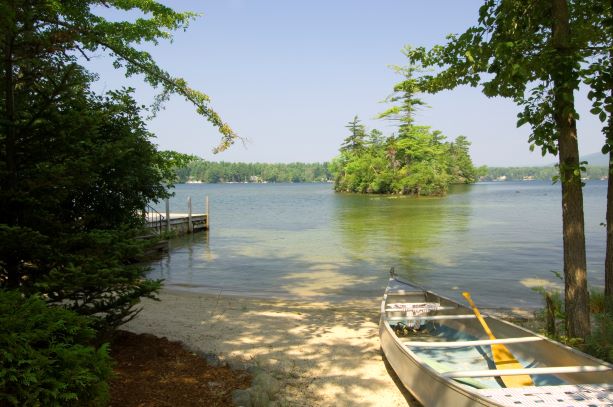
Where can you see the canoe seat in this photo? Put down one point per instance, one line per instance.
(431, 317)
(594, 395)
(528, 371)
(413, 308)
(462, 344)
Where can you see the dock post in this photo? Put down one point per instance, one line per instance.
(190, 225)
(206, 210)
(167, 201)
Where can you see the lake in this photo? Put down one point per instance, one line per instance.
(496, 240)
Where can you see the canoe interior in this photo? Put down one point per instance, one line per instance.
(536, 354)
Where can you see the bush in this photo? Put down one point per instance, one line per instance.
(45, 359)
(600, 342)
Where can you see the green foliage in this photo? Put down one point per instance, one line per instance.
(405, 93)
(98, 277)
(77, 170)
(600, 342)
(70, 203)
(45, 356)
(357, 139)
(219, 172)
(531, 52)
(416, 161)
(58, 31)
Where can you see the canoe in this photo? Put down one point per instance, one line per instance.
(442, 355)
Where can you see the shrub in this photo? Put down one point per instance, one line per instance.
(45, 359)
(600, 343)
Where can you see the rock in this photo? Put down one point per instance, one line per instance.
(241, 398)
(235, 364)
(268, 383)
(212, 360)
(259, 396)
(254, 370)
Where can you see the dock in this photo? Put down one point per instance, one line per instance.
(179, 223)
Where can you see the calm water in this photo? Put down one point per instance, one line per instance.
(493, 239)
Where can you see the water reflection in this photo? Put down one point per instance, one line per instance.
(404, 232)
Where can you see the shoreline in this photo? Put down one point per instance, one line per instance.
(324, 353)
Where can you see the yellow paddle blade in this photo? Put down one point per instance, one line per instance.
(503, 358)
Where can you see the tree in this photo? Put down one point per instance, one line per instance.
(77, 169)
(356, 140)
(597, 24)
(86, 168)
(460, 165)
(419, 150)
(37, 33)
(406, 93)
(527, 52)
(415, 161)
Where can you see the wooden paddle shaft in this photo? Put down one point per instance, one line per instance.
(486, 328)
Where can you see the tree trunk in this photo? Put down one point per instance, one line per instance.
(10, 216)
(576, 296)
(608, 262)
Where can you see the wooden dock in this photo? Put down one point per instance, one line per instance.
(180, 223)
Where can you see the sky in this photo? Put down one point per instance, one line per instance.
(288, 76)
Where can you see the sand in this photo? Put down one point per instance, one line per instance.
(323, 353)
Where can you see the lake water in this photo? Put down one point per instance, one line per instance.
(495, 240)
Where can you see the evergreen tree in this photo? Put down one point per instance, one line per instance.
(357, 137)
(77, 169)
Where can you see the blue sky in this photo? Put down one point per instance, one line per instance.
(289, 75)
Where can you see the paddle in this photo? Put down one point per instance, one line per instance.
(503, 358)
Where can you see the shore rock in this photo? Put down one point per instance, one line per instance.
(268, 383)
(241, 398)
(259, 396)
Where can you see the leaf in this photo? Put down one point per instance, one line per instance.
(595, 110)
(602, 116)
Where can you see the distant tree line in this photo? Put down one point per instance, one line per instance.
(219, 172)
(536, 173)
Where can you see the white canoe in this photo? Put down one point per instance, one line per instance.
(442, 355)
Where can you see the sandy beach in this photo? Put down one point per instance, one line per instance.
(323, 353)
